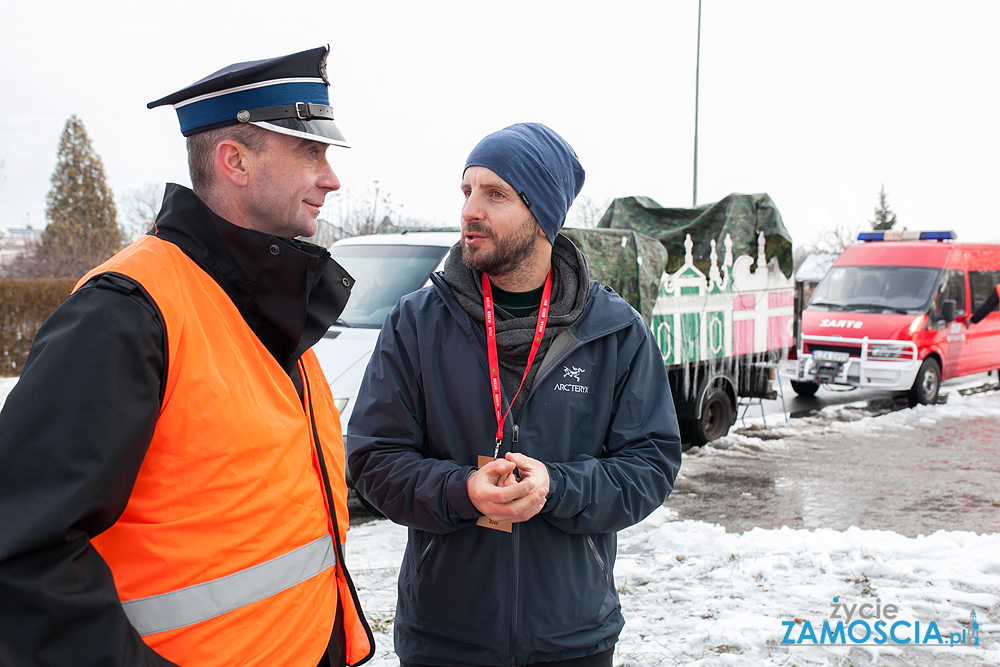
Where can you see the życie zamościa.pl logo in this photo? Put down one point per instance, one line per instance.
(875, 624)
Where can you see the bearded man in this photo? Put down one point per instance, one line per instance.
(515, 415)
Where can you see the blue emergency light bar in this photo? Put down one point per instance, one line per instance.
(903, 235)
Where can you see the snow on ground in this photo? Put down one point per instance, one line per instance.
(698, 596)
(694, 594)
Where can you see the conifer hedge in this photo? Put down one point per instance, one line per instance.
(24, 306)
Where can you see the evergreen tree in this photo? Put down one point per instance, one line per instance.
(82, 228)
(884, 217)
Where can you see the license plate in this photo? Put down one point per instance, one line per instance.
(830, 355)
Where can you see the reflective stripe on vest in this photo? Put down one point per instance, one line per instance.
(194, 604)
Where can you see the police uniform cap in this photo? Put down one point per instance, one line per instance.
(288, 94)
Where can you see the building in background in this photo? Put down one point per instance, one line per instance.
(15, 242)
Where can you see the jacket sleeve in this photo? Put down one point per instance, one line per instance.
(73, 434)
(388, 457)
(641, 458)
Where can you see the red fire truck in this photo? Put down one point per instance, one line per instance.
(893, 313)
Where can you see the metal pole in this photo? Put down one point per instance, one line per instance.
(697, 72)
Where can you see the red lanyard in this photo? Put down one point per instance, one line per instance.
(491, 349)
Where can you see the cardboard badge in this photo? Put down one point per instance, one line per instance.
(487, 522)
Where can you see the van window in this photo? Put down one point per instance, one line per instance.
(382, 274)
(982, 285)
(876, 289)
(952, 286)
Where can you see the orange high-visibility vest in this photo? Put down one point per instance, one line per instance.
(225, 553)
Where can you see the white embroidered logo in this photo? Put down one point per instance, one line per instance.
(573, 373)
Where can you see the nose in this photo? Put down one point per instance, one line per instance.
(327, 180)
(472, 210)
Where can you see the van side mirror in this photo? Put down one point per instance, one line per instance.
(948, 310)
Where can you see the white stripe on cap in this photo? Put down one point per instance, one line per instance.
(250, 86)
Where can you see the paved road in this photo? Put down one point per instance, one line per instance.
(912, 476)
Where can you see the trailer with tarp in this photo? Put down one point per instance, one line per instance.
(715, 284)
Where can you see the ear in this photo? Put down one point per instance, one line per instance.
(233, 161)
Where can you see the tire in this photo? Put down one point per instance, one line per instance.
(717, 414)
(806, 389)
(926, 385)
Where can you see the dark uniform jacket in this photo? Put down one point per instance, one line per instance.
(75, 429)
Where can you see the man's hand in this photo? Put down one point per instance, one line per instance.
(500, 494)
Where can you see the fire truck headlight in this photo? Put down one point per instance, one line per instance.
(887, 351)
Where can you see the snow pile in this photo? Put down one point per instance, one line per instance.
(694, 594)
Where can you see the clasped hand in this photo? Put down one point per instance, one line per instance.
(502, 494)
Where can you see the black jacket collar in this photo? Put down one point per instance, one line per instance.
(288, 291)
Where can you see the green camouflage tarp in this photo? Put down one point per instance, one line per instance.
(740, 216)
(629, 262)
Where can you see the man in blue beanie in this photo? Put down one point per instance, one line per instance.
(515, 415)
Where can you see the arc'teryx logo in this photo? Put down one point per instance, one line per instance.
(573, 373)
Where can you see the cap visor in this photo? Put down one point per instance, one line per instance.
(315, 130)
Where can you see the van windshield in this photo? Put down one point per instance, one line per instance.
(382, 274)
(902, 289)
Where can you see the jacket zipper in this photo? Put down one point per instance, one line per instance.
(597, 555)
(427, 550)
(515, 544)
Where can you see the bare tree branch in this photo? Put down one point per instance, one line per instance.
(139, 208)
(349, 213)
(585, 213)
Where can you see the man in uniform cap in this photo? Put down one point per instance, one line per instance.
(514, 416)
(172, 484)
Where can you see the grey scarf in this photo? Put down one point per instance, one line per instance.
(570, 286)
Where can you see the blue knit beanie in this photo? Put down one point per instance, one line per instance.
(539, 165)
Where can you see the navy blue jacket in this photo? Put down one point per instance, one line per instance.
(599, 414)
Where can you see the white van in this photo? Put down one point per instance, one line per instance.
(385, 267)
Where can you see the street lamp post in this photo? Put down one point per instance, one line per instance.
(697, 72)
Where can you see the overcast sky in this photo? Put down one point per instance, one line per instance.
(817, 104)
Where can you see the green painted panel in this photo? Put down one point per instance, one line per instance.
(663, 331)
(690, 337)
(716, 323)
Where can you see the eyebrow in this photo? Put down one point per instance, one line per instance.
(308, 143)
(493, 185)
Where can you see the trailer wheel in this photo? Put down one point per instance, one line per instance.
(806, 389)
(925, 386)
(717, 415)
